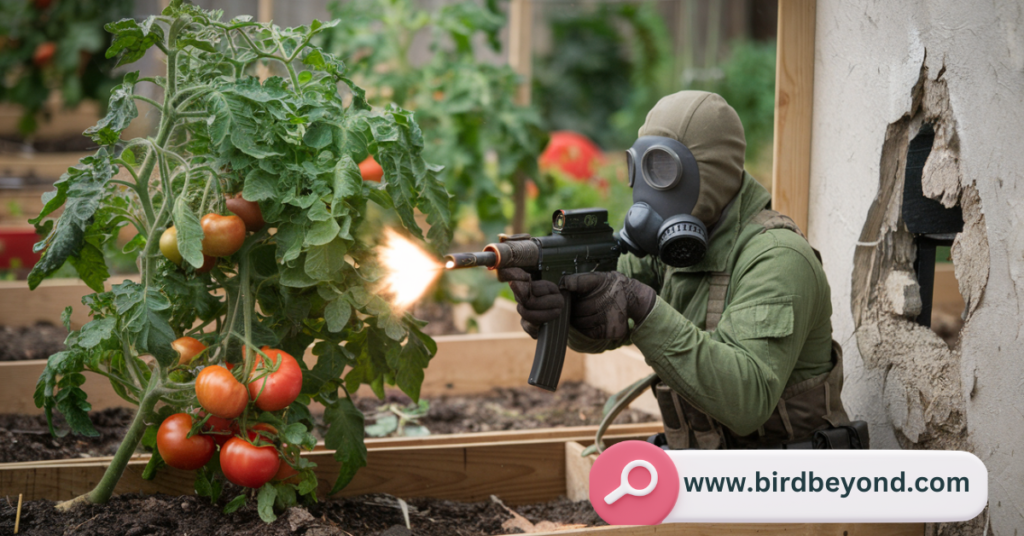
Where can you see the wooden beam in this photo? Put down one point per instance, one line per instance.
(464, 364)
(577, 471)
(583, 435)
(521, 467)
(794, 96)
(520, 58)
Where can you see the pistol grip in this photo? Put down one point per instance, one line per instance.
(551, 343)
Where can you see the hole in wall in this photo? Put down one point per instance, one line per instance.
(934, 228)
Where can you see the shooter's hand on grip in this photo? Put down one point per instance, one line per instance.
(603, 302)
(539, 301)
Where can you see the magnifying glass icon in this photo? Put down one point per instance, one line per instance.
(624, 487)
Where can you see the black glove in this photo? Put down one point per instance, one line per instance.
(603, 302)
(539, 301)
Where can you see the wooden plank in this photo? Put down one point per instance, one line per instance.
(47, 166)
(583, 435)
(520, 472)
(464, 364)
(617, 369)
(794, 95)
(737, 529)
(47, 301)
(946, 293)
(577, 471)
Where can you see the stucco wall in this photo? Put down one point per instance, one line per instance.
(868, 58)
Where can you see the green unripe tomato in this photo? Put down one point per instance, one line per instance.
(169, 245)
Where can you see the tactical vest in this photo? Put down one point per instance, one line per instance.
(803, 408)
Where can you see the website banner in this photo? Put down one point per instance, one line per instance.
(634, 482)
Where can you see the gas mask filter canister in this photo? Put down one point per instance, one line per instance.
(666, 182)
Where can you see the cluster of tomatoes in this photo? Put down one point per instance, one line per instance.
(248, 458)
(222, 235)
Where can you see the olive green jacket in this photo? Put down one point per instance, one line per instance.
(776, 329)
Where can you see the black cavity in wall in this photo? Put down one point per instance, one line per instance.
(931, 223)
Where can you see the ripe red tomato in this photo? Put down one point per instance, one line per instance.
(169, 245)
(371, 170)
(222, 427)
(208, 264)
(180, 451)
(249, 211)
(188, 348)
(280, 388)
(41, 5)
(220, 393)
(246, 465)
(222, 235)
(44, 53)
(573, 154)
(286, 474)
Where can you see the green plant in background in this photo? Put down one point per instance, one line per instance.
(55, 44)
(608, 66)
(748, 85)
(398, 420)
(289, 145)
(599, 80)
(465, 106)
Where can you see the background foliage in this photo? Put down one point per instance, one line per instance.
(78, 68)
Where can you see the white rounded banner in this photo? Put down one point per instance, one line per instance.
(869, 486)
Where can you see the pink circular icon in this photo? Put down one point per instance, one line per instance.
(633, 483)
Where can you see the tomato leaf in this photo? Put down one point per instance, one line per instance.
(121, 110)
(265, 502)
(190, 233)
(233, 505)
(81, 190)
(132, 40)
(345, 436)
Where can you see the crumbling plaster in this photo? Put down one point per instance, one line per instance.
(868, 58)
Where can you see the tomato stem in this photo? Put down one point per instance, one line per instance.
(105, 487)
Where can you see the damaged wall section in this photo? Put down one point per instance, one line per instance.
(921, 390)
(871, 97)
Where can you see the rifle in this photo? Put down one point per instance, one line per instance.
(580, 241)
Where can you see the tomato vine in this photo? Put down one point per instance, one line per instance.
(290, 144)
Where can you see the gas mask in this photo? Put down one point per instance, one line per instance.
(666, 182)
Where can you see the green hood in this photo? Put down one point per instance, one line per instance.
(712, 131)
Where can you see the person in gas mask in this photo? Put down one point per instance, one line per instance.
(726, 300)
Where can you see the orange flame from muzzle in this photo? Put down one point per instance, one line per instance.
(410, 271)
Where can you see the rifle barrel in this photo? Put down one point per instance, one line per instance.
(456, 261)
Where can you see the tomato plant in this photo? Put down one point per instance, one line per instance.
(55, 46)
(219, 393)
(465, 106)
(179, 450)
(188, 348)
(249, 211)
(248, 465)
(307, 279)
(276, 380)
(169, 245)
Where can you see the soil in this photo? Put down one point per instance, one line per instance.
(34, 342)
(518, 408)
(368, 515)
(26, 437)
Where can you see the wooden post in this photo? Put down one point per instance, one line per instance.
(265, 11)
(520, 54)
(794, 95)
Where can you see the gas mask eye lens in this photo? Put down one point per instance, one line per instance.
(661, 168)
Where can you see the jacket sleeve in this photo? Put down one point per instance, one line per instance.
(737, 373)
(648, 271)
